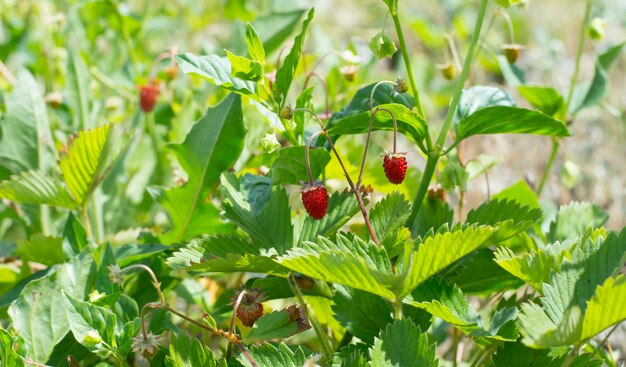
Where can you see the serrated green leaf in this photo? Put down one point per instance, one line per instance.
(25, 130)
(491, 277)
(216, 70)
(517, 354)
(290, 165)
(520, 192)
(271, 228)
(85, 318)
(74, 236)
(32, 187)
(509, 120)
(409, 122)
(606, 307)
(389, 214)
(574, 218)
(185, 352)
(404, 344)
(452, 176)
(533, 268)
(285, 73)
(268, 355)
(244, 68)
(341, 207)
(509, 216)
(433, 214)
(441, 250)
(37, 314)
(255, 46)
(447, 302)
(257, 190)
(363, 314)
(83, 161)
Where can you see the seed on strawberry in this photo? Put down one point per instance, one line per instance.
(148, 95)
(250, 308)
(395, 167)
(315, 200)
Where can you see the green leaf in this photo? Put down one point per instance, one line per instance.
(389, 214)
(185, 352)
(441, 250)
(274, 325)
(32, 187)
(211, 147)
(533, 268)
(83, 161)
(452, 176)
(517, 354)
(341, 207)
(271, 228)
(255, 46)
(275, 27)
(25, 130)
(510, 217)
(268, 355)
(589, 94)
(303, 102)
(38, 315)
(47, 250)
(403, 344)
(352, 263)
(290, 165)
(382, 45)
(490, 279)
(509, 120)
(513, 75)
(285, 73)
(74, 237)
(547, 99)
(8, 356)
(433, 214)
(362, 314)
(606, 307)
(78, 90)
(507, 3)
(86, 319)
(447, 302)
(520, 192)
(574, 218)
(479, 97)
(216, 70)
(244, 68)
(237, 9)
(257, 190)
(409, 122)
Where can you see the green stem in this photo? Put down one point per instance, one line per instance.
(548, 169)
(397, 309)
(409, 71)
(435, 153)
(429, 171)
(325, 342)
(579, 53)
(86, 223)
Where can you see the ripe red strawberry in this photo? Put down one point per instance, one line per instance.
(250, 308)
(395, 167)
(148, 95)
(315, 200)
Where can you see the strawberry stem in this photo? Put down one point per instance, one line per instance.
(306, 155)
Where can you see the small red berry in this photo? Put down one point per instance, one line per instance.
(315, 200)
(148, 95)
(395, 167)
(250, 308)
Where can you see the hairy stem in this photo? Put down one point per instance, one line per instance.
(306, 155)
(579, 53)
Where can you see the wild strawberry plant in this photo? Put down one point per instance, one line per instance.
(262, 239)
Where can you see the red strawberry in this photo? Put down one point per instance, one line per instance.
(315, 200)
(395, 167)
(250, 308)
(148, 95)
